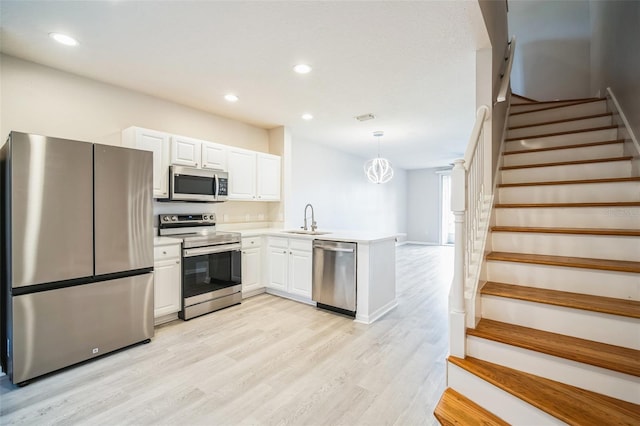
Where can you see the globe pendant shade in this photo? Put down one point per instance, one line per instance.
(378, 170)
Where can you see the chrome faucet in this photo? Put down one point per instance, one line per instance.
(314, 225)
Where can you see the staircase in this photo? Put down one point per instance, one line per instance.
(558, 341)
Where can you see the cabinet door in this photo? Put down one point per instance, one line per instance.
(185, 151)
(251, 266)
(300, 264)
(278, 263)
(214, 156)
(242, 174)
(158, 144)
(167, 287)
(268, 177)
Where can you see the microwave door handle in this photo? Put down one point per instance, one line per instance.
(216, 185)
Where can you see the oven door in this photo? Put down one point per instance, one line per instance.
(189, 184)
(210, 272)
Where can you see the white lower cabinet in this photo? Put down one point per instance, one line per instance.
(290, 266)
(167, 293)
(251, 265)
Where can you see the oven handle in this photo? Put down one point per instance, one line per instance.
(210, 250)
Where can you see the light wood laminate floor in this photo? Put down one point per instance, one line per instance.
(268, 361)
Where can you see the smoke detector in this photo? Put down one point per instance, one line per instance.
(365, 117)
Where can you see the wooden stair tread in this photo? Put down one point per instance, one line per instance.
(579, 102)
(456, 409)
(616, 358)
(515, 95)
(567, 132)
(587, 302)
(573, 262)
(600, 204)
(543, 123)
(555, 148)
(567, 163)
(570, 182)
(570, 404)
(532, 101)
(574, 231)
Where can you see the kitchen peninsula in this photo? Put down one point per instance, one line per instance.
(375, 266)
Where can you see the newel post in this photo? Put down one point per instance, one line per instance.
(457, 329)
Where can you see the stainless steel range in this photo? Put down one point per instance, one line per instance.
(211, 263)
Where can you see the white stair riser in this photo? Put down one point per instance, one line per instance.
(561, 140)
(509, 408)
(585, 376)
(569, 154)
(591, 246)
(542, 129)
(570, 217)
(573, 193)
(562, 113)
(535, 105)
(619, 285)
(601, 170)
(604, 328)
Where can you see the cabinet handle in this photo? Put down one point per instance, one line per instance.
(196, 164)
(164, 252)
(285, 252)
(253, 242)
(177, 262)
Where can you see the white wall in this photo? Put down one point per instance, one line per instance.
(423, 206)
(343, 199)
(46, 101)
(615, 54)
(552, 58)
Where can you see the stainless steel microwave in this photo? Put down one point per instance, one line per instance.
(191, 184)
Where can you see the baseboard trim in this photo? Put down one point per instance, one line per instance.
(251, 293)
(290, 296)
(624, 119)
(377, 314)
(423, 243)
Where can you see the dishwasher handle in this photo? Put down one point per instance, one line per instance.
(340, 250)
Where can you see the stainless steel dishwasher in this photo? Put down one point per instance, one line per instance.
(334, 276)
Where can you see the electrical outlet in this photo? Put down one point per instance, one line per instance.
(94, 351)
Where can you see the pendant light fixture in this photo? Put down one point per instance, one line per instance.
(378, 170)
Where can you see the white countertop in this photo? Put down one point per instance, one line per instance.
(164, 241)
(347, 236)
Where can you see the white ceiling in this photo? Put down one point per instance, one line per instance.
(412, 64)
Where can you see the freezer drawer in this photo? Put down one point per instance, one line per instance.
(57, 328)
(334, 275)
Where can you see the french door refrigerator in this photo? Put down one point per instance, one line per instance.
(77, 252)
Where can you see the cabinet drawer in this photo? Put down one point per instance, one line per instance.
(166, 252)
(299, 244)
(278, 242)
(250, 242)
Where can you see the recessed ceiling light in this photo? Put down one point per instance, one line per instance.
(64, 39)
(231, 97)
(302, 68)
(307, 116)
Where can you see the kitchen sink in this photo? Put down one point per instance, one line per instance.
(303, 232)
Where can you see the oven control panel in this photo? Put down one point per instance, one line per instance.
(188, 219)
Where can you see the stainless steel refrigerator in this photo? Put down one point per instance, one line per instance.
(77, 252)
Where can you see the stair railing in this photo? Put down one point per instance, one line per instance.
(506, 82)
(468, 195)
(472, 187)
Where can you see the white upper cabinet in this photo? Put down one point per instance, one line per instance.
(268, 178)
(186, 151)
(214, 156)
(158, 144)
(242, 174)
(253, 175)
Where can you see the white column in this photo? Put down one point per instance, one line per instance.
(457, 330)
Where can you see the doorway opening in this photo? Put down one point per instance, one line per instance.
(447, 218)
